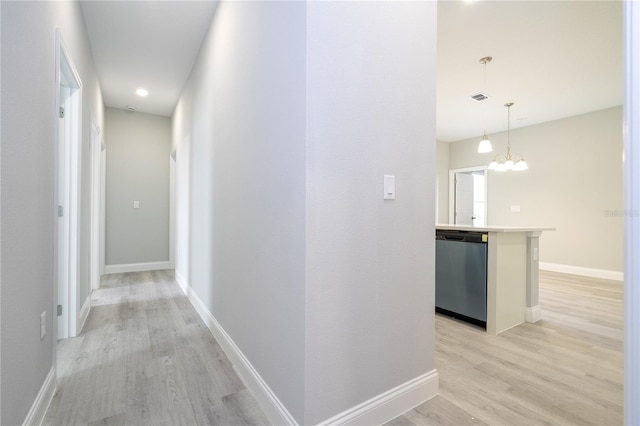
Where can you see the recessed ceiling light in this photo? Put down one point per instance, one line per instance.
(142, 92)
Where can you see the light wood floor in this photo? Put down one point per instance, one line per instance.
(146, 358)
(566, 369)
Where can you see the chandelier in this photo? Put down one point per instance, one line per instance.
(504, 162)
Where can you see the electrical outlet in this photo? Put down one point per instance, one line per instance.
(43, 324)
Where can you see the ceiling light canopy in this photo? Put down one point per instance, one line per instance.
(142, 92)
(505, 162)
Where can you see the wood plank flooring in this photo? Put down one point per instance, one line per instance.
(566, 369)
(146, 358)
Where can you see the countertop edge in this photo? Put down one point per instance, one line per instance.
(493, 228)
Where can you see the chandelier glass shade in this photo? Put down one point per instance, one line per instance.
(485, 145)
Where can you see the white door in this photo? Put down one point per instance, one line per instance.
(464, 199)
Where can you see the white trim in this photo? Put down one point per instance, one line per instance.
(94, 247)
(452, 191)
(84, 313)
(275, 411)
(533, 314)
(36, 414)
(377, 410)
(631, 156)
(184, 285)
(66, 75)
(136, 267)
(579, 270)
(103, 178)
(390, 404)
(172, 209)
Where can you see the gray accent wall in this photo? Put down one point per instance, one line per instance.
(574, 183)
(293, 113)
(138, 148)
(28, 189)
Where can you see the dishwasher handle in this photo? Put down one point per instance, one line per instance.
(454, 237)
(462, 236)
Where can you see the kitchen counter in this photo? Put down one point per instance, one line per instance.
(492, 228)
(512, 274)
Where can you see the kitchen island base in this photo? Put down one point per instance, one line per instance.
(512, 275)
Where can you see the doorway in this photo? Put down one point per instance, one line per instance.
(468, 196)
(68, 102)
(97, 189)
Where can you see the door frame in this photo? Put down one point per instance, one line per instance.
(66, 75)
(172, 209)
(96, 252)
(452, 190)
(631, 161)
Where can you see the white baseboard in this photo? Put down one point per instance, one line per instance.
(579, 270)
(136, 267)
(182, 282)
(84, 313)
(390, 404)
(533, 314)
(377, 410)
(275, 411)
(36, 414)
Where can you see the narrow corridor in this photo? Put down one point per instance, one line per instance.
(145, 357)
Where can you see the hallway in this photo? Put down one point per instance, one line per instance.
(145, 357)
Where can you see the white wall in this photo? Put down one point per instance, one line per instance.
(581, 197)
(138, 148)
(27, 194)
(240, 124)
(292, 115)
(370, 262)
(442, 167)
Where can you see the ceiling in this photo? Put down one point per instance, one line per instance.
(553, 59)
(150, 44)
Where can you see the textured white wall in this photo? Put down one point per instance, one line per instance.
(28, 188)
(138, 148)
(581, 197)
(243, 116)
(370, 263)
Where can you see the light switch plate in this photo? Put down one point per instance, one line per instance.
(515, 209)
(136, 204)
(389, 187)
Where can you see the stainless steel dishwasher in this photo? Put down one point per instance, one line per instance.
(461, 275)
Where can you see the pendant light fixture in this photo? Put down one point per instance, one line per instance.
(485, 143)
(504, 162)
